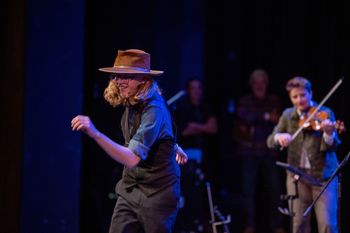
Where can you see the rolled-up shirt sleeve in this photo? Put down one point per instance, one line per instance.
(148, 131)
(139, 149)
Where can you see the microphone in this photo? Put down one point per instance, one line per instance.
(176, 97)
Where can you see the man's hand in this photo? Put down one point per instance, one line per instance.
(84, 124)
(328, 127)
(181, 156)
(283, 139)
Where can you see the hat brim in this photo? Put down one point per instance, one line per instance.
(117, 70)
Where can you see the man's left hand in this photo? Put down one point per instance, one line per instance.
(181, 156)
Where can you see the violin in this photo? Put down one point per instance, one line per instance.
(338, 125)
(315, 121)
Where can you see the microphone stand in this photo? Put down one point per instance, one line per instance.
(290, 199)
(214, 211)
(335, 173)
(339, 200)
(297, 176)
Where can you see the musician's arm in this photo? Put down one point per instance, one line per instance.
(279, 128)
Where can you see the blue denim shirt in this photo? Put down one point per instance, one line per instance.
(149, 128)
(155, 125)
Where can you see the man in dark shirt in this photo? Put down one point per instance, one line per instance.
(257, 114)
(195, 120)
(150, 188)
(196, 123)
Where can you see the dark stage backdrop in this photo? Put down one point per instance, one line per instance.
(221, 41)
(11, 111)
(54, 59)
(287, 38)
(46, 53)
(41, 73)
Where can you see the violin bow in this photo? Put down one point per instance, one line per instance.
(340, 81)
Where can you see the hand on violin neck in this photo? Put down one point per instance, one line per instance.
(328, 127)
(340, 126)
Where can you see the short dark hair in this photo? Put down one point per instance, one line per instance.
(298, 82)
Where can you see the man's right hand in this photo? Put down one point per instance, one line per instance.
(84, 124)
(283, 139)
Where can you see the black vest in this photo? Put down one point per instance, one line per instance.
(158, 170)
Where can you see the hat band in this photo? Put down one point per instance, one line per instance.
(134, 68)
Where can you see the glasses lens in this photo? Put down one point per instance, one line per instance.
(112, 76)
(120, 76)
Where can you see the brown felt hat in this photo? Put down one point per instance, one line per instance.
(132, 61)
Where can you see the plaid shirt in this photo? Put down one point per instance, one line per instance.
(254, 115)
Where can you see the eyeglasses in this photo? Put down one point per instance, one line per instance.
(116, 77)
(121, 76)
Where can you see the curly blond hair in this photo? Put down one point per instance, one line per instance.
(145, 91)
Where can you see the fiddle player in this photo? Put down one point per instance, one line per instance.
(312, 152)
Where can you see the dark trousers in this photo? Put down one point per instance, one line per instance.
(136, 213)
(261, 170)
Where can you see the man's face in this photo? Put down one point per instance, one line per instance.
(301, 98)
(128, 84)
(259, 86)
(195, 91)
